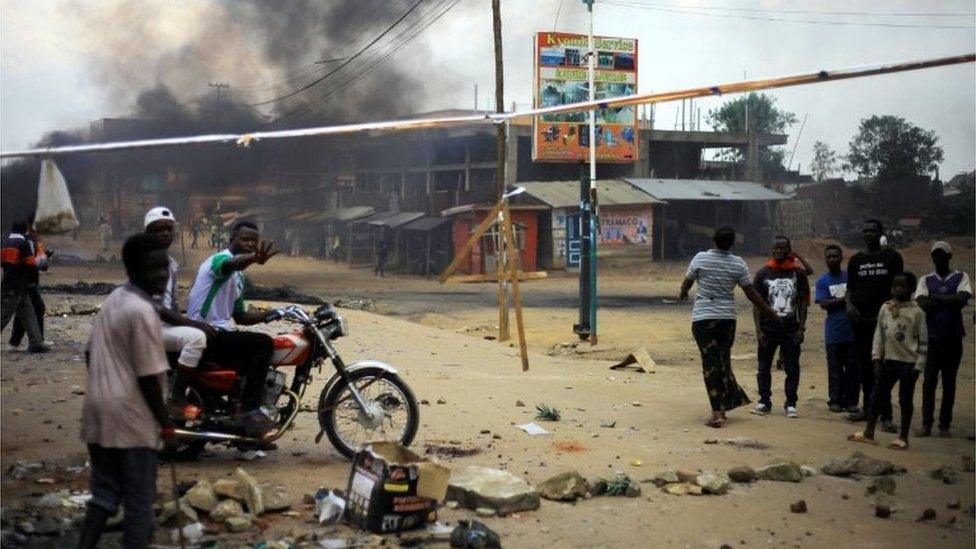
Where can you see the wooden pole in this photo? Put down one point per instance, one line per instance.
(480, 230)
(496, 24)
(513, 261)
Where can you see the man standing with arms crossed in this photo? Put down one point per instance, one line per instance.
(869, 276)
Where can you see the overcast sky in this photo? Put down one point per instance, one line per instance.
(46, 81)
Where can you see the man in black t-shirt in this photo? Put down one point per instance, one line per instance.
(869, 276)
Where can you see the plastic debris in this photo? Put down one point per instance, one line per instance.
(533, 429)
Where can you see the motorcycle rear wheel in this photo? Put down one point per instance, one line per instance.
(379, 387)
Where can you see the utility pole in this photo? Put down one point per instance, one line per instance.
(496, 24)
(586, 328)
(219, 86)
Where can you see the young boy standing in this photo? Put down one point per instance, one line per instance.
(898, 355)
(123, 418)
(843, 377)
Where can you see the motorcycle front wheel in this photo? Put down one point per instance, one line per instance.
(349, 427)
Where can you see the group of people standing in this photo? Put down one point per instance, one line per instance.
(883, 327)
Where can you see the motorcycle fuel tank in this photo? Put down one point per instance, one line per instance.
(290, 349)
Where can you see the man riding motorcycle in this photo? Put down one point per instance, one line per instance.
(216, 298)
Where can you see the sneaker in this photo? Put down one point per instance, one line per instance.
(859, 415)
(36, 349)
(762, 409)
(889, 426)
(923, 432)
(791, 412)
(836, 408)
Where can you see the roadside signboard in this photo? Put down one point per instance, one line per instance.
(561, 78)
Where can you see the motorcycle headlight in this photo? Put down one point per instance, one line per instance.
(343, 327)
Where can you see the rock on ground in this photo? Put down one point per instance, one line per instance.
(253, 495)
(229, 488)
(275, 499)
(598, 486)
(564, 487)
(202, 496)
(799, 507)
(225, 510)
(742, 474)
(683, 489)
(880, 485)
(665, 477)
(713, 484)
(780, 471)
(474, 487)
(238, 524)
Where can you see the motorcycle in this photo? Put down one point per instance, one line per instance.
(361, 402)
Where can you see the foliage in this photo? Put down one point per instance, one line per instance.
(888, 147)
(547, 413)
(824, 161)
(763, 117)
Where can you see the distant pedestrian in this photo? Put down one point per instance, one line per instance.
(104, 234)
(717, 273)
(19, 270)
(898, 356)
(782, 283)
(843, 376)
(942, 295)
(194, 234)
(869, 276)
(382, 253)
(41, 263)
(123, 417)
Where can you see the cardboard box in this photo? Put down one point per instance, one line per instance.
(393, 489)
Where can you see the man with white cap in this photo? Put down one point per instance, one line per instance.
(942, 295)
(180, 334)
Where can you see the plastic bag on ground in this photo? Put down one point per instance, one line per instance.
(55, 214)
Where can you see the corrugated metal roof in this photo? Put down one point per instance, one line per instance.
(395, 219)
(704, 189)
(348, 214)
(425, 224)
(566, 194)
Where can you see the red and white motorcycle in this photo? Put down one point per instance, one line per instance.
(362, 402)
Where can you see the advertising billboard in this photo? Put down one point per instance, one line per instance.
(561, 78)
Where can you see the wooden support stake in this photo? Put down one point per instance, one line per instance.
(478, 232)
(532, 275)
(501, 253)
(513, 260)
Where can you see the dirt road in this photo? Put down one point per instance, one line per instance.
(658, 416)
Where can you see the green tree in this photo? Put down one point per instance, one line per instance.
(754, 112)
(824, 161)
(888, 147)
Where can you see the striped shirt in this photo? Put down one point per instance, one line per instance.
(717, 273)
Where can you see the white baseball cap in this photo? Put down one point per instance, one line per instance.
(157, 214)
(942, 245)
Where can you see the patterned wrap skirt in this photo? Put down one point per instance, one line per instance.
(715, 339)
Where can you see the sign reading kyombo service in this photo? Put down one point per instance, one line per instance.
(561, 78)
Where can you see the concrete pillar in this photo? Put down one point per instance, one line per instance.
(511, 155)
(753, 173)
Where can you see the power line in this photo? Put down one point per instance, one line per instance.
(805, 12)
(346, 62)
(381, 57)
(631, 4)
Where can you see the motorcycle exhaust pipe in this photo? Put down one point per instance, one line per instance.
(212, 437)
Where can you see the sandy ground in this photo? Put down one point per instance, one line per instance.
(434, 334)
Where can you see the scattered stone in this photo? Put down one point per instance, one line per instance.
(858, 464)
(202, 496)
(927, 514)
(838, 467)
(882, 510)
(564, 487)
(275, 500)
(253, 496)
(880, 485)
(945, 474)
(687, 476)
(441, 401)
(609, 424)
(780, 471)
(238, 524)
(738, 442)
(954, 504)
(168, 513)
(808, 471)
(742, 474)
(665, 477)
(713, 484)
(231, 488)
(636, 404)
(683, 489)
(424, 402)
(799, 506)
(225, 510)
(519, 404)
(485, 512)
(598, 486)
(474, 487)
